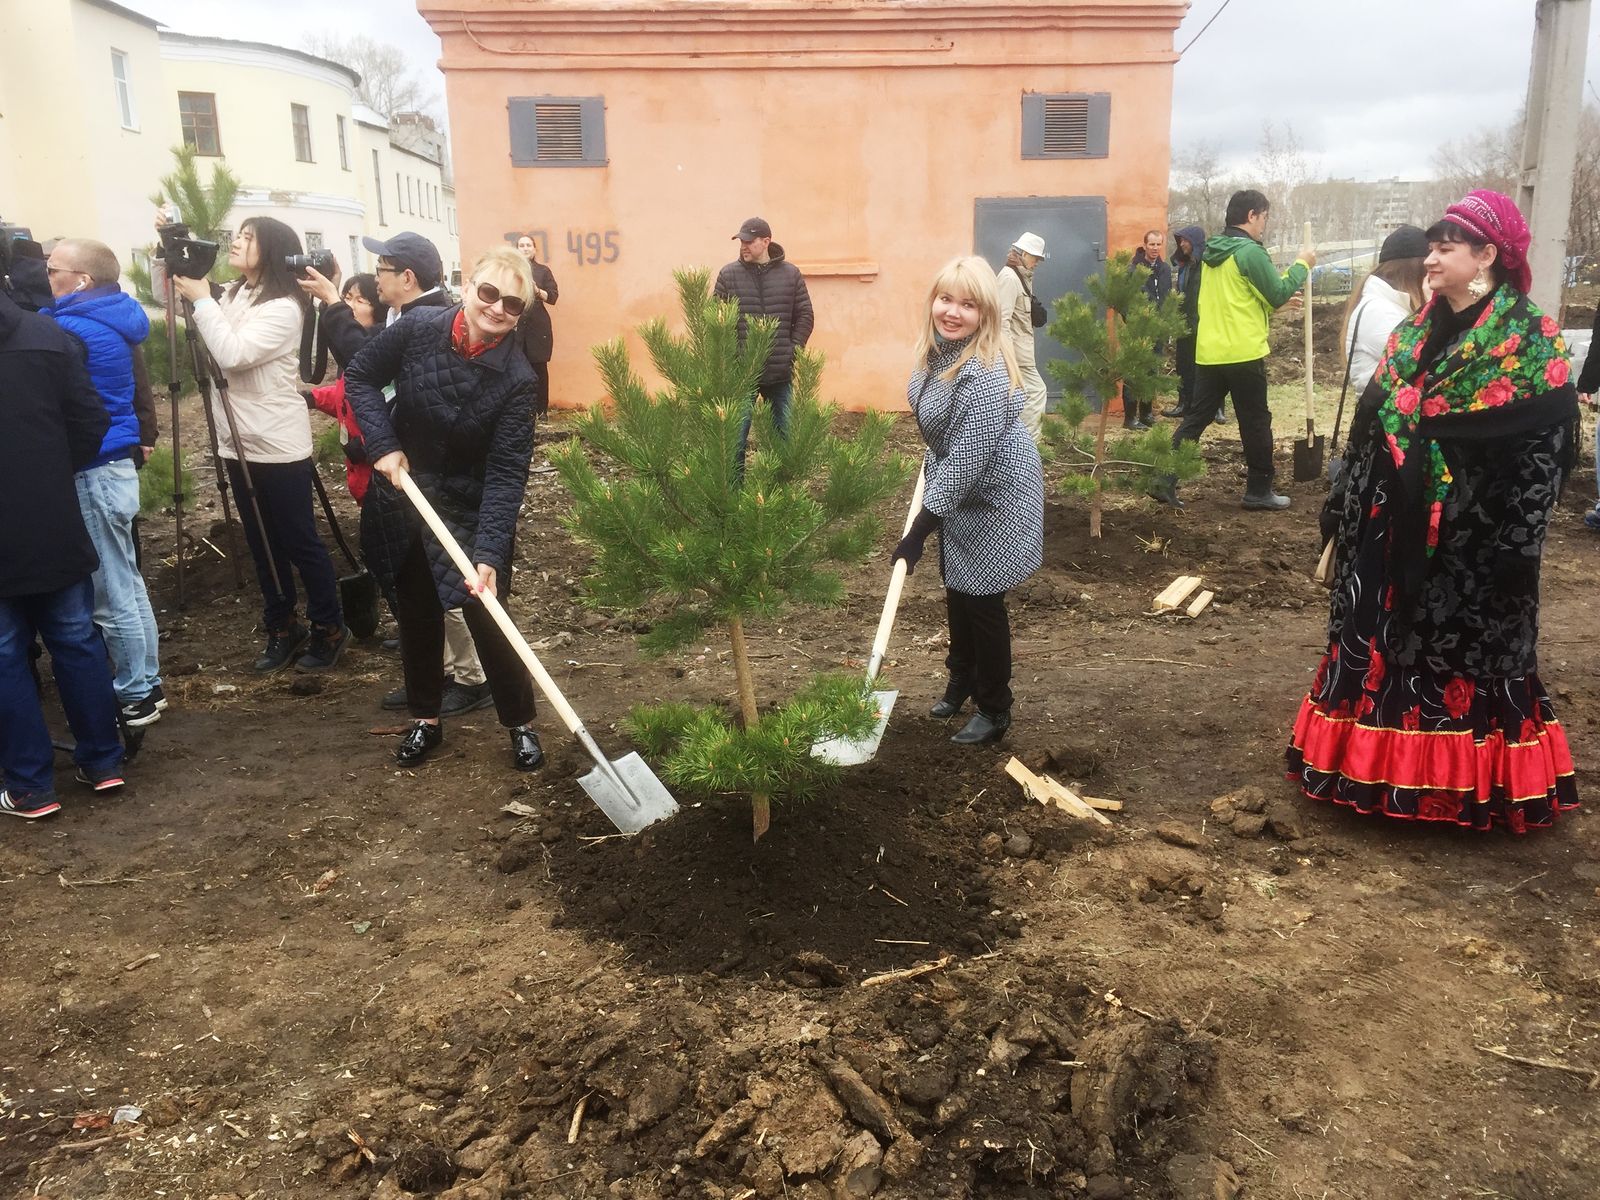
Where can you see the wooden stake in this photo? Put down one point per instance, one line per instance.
(1102, 804)
(1049, 791)
(1200, 604)
(577, 1119)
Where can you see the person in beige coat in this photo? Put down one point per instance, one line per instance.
(1015, 284)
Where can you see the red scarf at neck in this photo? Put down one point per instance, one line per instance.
(461, 339)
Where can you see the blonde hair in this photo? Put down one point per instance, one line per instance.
(509, 261)
(96, 259)
(972, 278)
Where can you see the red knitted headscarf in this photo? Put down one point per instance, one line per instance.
(1491, 217)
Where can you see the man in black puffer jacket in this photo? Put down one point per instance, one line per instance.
(767, 285)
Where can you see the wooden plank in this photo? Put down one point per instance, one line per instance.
(1070, 800)
(1102, 804)
(1200, 604)
(1176, 592)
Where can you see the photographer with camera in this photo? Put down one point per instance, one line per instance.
(253, 333)
(110, 324)
(52, 425)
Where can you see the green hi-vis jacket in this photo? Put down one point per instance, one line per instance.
(1239, 288)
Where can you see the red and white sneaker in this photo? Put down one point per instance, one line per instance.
(29, 808)
(102, 781)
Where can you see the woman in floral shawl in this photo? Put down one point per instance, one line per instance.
(1427, 704)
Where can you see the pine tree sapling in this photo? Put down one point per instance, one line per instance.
(204, 207)
(1121, 351)
(659, 496)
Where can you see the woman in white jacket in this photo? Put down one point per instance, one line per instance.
(1387, 297)
(253, 332)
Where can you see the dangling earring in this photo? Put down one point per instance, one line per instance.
(1479, 287)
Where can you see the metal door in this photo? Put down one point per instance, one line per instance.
(1074, 233)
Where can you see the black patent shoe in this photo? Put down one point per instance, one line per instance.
(526, 753)
(983, 727)
(421, 740)
(947, 708)
(283, 645)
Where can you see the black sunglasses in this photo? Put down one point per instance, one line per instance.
(489, 294)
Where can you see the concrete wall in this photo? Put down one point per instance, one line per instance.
(863, 132)
(68, 165)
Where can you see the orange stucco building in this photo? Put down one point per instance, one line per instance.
(878, 137)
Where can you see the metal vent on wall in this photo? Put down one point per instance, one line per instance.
(1066, 125)
(559, 128)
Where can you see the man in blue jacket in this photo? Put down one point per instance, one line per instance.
(51, 424)
(90, 305)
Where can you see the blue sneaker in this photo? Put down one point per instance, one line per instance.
(1592, 518)
(29, 808)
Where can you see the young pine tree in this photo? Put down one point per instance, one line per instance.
(671, 515)
(204, 207)
(1121, 351)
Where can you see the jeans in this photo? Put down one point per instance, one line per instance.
(108, 496)
(284, 492)
(1246, 382)
(64, 619)
(980, 650)
(777, 397)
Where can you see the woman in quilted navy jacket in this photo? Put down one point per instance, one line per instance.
(462, 426)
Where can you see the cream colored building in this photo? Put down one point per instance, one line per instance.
(93, 97)
(86, 123)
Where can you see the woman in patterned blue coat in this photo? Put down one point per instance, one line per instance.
(984, 488)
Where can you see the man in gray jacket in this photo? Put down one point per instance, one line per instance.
(1014, 282)
(766, 284)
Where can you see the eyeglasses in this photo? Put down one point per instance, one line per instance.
(49, 270)
(490, 295)
(380, 269)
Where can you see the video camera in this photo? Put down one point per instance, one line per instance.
(187, 257)
(320, 261)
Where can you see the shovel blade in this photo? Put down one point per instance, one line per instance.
(639, 803)
(1307, 459)
(852, 752)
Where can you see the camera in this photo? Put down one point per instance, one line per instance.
(320, 261)
(187, 257)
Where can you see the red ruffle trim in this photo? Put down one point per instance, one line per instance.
(1433, 761)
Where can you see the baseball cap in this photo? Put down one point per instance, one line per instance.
(410, 251)
(752, 229)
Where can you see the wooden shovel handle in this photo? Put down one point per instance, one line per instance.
(897, 583)
(492, 605)
(1310, 390)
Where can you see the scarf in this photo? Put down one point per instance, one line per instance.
(461, 338)
(1505, 375)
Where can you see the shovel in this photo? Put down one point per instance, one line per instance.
(625, 789)
(850, 752)
(1308, 451)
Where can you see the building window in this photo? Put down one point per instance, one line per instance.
(300, 116)
(120, 79)
(197, 114)
(399, 193)
(558, 131)
(344, 145)
(377, 186)
(355, 255)
(1066, 124)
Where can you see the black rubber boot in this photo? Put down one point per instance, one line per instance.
(1258, 494)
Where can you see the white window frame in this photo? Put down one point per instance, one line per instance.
(122, 86)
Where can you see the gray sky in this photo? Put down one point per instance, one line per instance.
(1370, 86)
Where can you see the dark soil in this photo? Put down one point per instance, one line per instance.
(320, 977)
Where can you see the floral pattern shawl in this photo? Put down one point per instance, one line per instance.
(1513, 354)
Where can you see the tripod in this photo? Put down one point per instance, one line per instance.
(208, 375)
(174, 391)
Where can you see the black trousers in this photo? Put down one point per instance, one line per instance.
(1186, 370)
(1246, 382)
(283, 492)
(980, 650)
(541, 388)
(421, 617)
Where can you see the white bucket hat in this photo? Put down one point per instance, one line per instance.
(1030, 243)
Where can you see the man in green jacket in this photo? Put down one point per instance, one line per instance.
(1239, 290)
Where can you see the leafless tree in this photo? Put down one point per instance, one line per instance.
(389, 83)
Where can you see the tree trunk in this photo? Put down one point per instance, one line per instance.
(1099, 462)
(760, 803)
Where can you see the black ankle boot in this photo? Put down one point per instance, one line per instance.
(282, 647)
(526, 753)
(983, 727)
(948, 707)
(421, 740)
